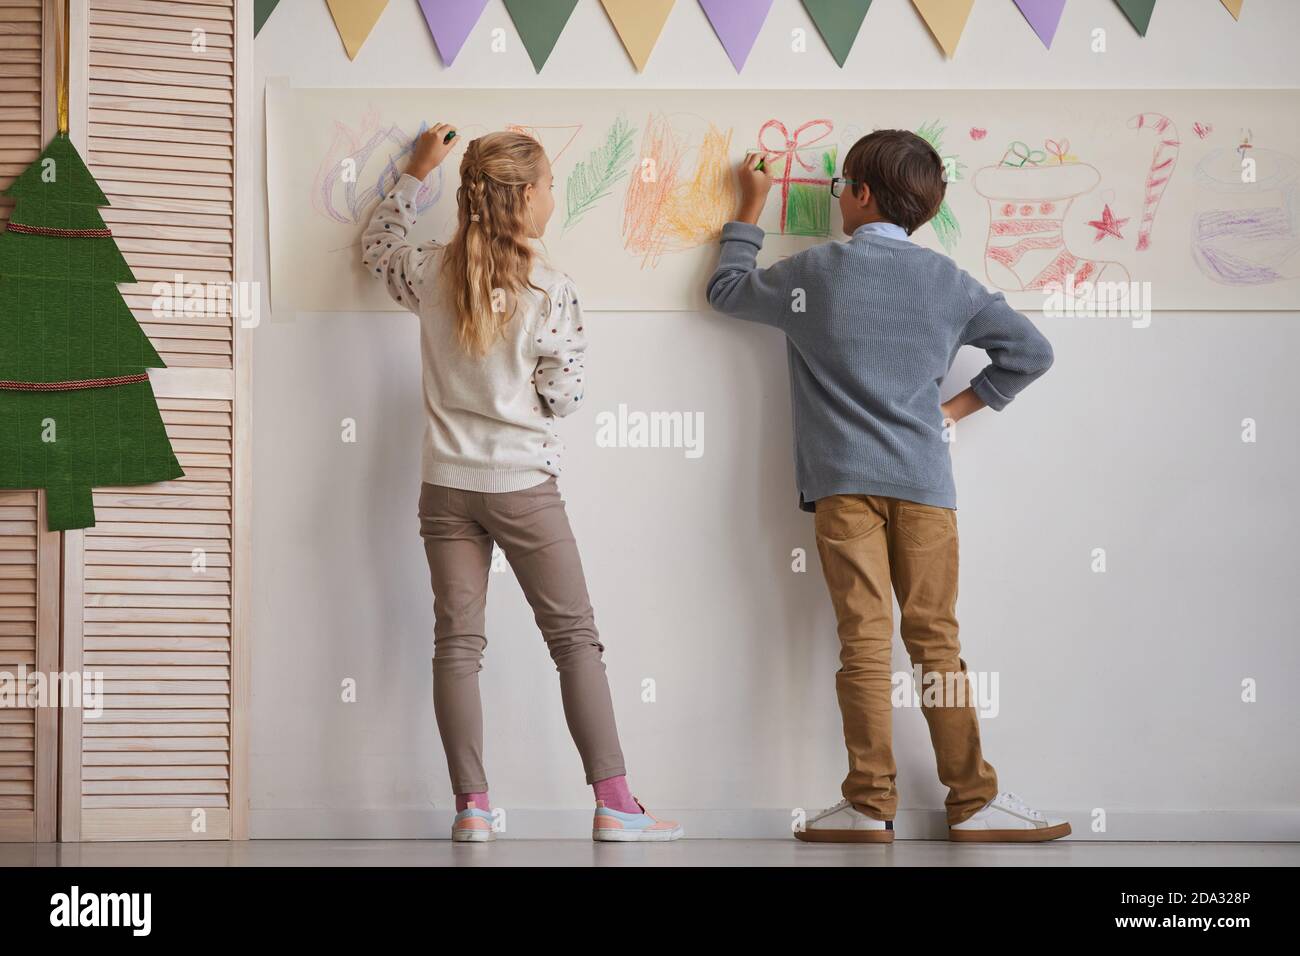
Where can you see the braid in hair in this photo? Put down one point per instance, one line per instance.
(489, 261)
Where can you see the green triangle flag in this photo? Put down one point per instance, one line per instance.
(261, 10)
(838, 21)
(540, 23)
(77, 410)
(1138, 13)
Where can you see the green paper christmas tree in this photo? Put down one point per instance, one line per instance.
(76, 406)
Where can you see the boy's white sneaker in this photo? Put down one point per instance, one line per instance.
(842, 824)
(1008, 819)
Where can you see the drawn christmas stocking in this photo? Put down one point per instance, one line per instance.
(1026, 249)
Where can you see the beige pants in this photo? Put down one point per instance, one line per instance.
(869, 543)
(532, 528)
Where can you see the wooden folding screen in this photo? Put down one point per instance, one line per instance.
(155, 596)
(29, 555)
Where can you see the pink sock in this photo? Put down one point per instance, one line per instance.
(480, 801)
(614, 793)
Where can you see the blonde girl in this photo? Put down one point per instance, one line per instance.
(503, 354)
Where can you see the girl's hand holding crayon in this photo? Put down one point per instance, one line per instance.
(430, 149)
(755, 181)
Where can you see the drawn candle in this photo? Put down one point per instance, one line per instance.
(1246, 233)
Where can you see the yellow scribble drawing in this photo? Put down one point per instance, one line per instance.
(667, 210)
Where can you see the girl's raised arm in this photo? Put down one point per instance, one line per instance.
(385, 253)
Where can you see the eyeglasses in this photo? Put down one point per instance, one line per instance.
(838, 184)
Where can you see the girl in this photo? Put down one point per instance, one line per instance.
(501, 337)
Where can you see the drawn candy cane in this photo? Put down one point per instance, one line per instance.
(1163, 161)
(789, 147)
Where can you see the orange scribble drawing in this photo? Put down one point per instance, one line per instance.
(668, 210)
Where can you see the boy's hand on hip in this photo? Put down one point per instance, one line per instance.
(960, 405)
(430, 149)
(755, 180)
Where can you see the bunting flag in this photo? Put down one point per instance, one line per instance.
(1234, 7)
(946, 20)
(737, 23)
(1138, 13)
(540, 23)
(838, 21)
(638, 24)
(261, 10)
(450, 22)
(354, 20)
(1044, 17)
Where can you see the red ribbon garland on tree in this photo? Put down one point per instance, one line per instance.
(73, 385)
(60, 233)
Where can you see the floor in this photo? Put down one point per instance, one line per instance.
(768, 853)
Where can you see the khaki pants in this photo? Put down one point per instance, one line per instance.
(532, 528)
(867, 544)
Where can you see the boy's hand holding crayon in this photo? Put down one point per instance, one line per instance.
(430, 149)
(755, 181)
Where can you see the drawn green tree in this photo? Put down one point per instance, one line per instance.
(76, 406)
(592, 179)
(946, 226)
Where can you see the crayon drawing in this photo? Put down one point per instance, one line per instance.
(945, 225)
(1029, 197)
(554, 139)
(1246, 230)
(802, 170)
(1163, 161)
(682, 195)
(361, 165)
(591, 179)
(1101, 185)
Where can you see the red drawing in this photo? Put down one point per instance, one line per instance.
(1029, 197)
(809, 166)
(1107, 225)
(1202, 129)
(978, 132)
(1245, 147)
(554, 139)
(1163, 161)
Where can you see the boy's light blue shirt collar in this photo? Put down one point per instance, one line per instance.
(890, 230)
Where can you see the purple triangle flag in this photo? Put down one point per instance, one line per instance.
(1044, 16)
(737, 22)
(450, 22)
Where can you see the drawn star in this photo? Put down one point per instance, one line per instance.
(1107, 225)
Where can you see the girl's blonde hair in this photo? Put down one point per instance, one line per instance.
(490, 251)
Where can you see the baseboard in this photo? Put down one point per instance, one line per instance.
(1214, 826)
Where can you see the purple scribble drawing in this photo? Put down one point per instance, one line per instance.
(1219, 232)
(337, 192)
(1247, 233)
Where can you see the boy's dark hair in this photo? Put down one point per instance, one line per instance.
(903, 172)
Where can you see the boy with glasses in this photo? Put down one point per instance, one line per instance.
(872, 326)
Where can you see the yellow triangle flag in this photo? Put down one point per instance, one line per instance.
(354, 20)
(946, 20)
(1234, 7)
(639, 23)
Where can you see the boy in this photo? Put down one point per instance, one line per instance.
(872, 326)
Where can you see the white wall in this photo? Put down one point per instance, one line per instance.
(1118, 691)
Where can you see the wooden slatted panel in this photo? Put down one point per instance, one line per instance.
(20, 91)
(157, 626)
(18, 514)
(29, 555)
(160, 140)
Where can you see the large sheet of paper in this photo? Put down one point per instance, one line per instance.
(1186, 198)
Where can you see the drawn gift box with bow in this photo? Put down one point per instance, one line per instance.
(803, 167)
